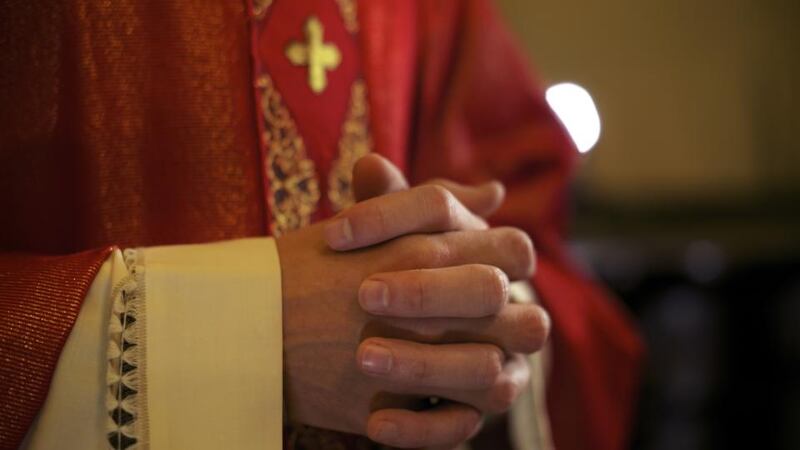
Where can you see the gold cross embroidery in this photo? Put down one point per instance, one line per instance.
(317, 55)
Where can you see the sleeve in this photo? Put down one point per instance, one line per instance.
(175, 347)
(483, 116)
(40, 298)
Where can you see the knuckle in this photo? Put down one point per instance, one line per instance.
(433, 252)
(544, 321)
(444, 205)
(495, 291)
(502, 396)
(410, 248)
(418, 370)
(535, 326)
(522, 249)
(416, 250)
(491, 368)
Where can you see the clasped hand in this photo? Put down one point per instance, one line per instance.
(402, 297)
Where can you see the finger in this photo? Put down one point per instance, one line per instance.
(501, 396)
(374, 175)
(473, 290)
(508, 249)
(423, 209)
(482, 200)
(446, 425)
(516, 329)
(423, 368)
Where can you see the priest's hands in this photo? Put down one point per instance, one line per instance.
(437, 300)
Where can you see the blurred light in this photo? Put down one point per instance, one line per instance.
(577, 111)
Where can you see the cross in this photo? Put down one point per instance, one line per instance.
(317, 55)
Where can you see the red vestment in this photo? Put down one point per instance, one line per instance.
(134, 123)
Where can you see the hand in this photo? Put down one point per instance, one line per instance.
(324, 325)
(375, 176)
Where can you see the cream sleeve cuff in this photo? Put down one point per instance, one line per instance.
(176, 347)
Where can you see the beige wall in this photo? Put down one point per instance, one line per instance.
(698, 98)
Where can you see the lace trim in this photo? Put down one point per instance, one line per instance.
(355, 142)
(126, 425)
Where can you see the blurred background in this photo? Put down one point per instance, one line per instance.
(688, 206)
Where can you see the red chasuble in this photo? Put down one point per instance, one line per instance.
(134, 123)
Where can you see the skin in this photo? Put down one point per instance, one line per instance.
(415, 285)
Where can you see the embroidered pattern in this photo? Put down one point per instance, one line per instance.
(349, 11)
(316, 54)
(292, 178)
(354, 143)
(126, 427)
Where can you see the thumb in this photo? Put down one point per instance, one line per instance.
(374, 175)
(482, 199)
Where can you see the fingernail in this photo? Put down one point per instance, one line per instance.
(338, 234)
(376, 359)
(497, 185)
(387, 432)
(374, 296)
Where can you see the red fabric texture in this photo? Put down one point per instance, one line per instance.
(121, 123)
(126, 123)
(129, 123)
(40, 298)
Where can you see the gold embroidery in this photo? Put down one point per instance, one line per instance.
(349, 11)
(354, 143)
(316, 54)
(294, 189)
(260, 8)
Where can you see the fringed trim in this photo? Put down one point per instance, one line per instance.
(125, 400)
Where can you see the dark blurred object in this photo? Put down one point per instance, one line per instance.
(721, 317)
(689, 205)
